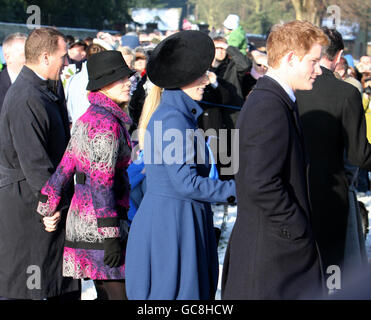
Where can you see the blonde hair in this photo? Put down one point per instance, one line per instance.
(151, 103)
(298, 36)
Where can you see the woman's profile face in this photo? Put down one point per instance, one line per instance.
(196, 89)
(118, 91)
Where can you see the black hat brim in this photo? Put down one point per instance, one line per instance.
(180, 59)
(115, 75)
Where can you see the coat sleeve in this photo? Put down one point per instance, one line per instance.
(51, 193)
(184, 175)
(354, 126)
(29, 130)
(241, 61)
(103, 158)
(264, 147)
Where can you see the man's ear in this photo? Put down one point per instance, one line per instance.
(7, 56)
(289, 58)
(338, 57)
(44, 58)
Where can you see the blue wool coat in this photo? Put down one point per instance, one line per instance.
(171, 251)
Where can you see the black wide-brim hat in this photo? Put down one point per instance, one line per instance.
(105, 68)
(180, 59)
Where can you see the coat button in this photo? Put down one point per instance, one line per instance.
(285, 233)
(194, 111)
(231, 199)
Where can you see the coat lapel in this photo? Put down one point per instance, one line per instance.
(269, 84)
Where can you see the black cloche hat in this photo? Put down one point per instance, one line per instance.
(105, 68)
(180, 59)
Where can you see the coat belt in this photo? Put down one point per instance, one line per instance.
(10, 176)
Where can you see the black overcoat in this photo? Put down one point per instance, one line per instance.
(34, 133)
(271, 253)
(333, 121)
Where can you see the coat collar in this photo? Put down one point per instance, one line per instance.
(99, 99)
(269, 84)
(184, 103)
(32, 77)
(43, 85)
(326, 72)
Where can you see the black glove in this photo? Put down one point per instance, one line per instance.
(112, 252)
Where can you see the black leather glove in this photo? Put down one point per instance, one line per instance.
(113, 252)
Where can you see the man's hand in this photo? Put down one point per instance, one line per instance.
(51, 223)
(212, 77)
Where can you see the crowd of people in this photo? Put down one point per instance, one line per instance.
(87, 190)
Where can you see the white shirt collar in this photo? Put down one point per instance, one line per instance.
(282, 83)
(41, 77)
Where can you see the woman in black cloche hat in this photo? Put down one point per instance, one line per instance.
(172, 251)
(98, 154)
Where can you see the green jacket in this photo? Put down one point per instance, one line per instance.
(237, 38)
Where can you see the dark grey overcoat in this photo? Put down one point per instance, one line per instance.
(271, 253)
(34, 133)
(333, 122)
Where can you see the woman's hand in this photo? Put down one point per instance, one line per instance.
(51, 222)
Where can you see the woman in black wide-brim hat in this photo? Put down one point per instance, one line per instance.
(172, 251)
(98, 154)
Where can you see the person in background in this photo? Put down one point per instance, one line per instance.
(223, 97)
(143, 86)
(334, 130)
(234, 33)
(77, 51)
(363, 68)
(140, 62)
(88, 40)
(342, 69)
(99, 153)
(362, 183)
(258, 69)
(76, 94)
(13, 50)
(128, 55)
(70, 40)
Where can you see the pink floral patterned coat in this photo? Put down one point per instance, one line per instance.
(99, 152)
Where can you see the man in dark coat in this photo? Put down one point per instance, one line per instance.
(34, 133)
(226, 74)
(272, 253)
(230, 67)
(13, 49)
(333, 121)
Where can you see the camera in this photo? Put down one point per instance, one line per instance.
(368, 90)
